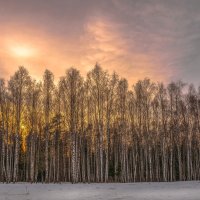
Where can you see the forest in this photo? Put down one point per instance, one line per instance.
(97, 128)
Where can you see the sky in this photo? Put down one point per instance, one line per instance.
(158, 39)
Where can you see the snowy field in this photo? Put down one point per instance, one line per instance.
(114, 191)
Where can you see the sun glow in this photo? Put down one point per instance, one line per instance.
(22, 51)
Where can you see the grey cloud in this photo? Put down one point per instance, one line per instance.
(167, 31)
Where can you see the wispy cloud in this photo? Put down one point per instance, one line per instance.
(119, 49)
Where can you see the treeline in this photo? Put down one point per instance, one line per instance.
(97, 129)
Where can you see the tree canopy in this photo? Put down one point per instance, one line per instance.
(97, 129)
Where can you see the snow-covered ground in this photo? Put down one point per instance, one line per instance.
(114, 191)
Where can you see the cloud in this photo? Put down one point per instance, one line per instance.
(137, 39)
(168, 31)
(111, 45)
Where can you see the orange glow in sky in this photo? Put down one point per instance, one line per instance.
(136, 39)
(22, 51)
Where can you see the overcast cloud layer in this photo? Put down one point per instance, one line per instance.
(136, 38)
